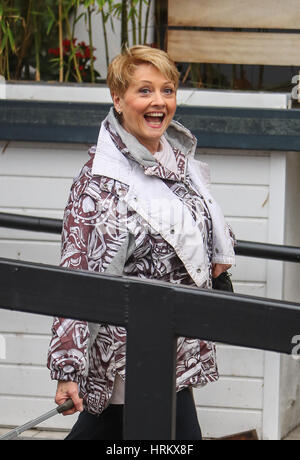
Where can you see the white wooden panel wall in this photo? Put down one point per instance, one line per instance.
(35, 180)
(241, 185)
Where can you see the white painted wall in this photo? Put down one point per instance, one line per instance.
(74, 92)
(241, 184)
(34, 180)
(290, 367)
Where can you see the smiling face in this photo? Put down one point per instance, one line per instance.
(147, 106)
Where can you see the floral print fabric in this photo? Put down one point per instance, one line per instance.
(94, 231)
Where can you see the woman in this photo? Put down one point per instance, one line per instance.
(139, 207)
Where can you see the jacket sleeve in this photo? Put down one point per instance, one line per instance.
(92, 237)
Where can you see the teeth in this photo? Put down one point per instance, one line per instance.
(155, 114)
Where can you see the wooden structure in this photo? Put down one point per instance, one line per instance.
(270, 38)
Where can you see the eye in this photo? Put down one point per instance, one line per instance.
(144, 90)
(169, 91)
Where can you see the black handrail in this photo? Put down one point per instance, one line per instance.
(154, 315)
(243, 248)
(268, 251)
(30, 223)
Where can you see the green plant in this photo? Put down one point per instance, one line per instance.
(19, 32)
(28, 29)
(105, 9)
(25, 35)
(83, 57)
(59, 17)
(136, 13)
(132, 11)
(71, 8)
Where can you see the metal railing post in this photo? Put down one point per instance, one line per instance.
(150, 396)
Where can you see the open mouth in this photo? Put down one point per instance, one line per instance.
(154, 118)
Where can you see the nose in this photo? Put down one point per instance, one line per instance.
(158, 99)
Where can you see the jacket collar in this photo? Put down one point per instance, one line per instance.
(180, 139)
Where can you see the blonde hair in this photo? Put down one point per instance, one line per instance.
(123, 66)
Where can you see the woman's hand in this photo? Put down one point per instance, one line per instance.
(217, 269)
(66, 390)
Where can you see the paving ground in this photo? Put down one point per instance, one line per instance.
(42, 435)
(294, 435)
(38, 435)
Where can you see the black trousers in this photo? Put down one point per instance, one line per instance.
(109, 424)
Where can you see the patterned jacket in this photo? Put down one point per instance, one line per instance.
(98, 235)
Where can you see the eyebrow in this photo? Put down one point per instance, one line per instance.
(147, 81)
